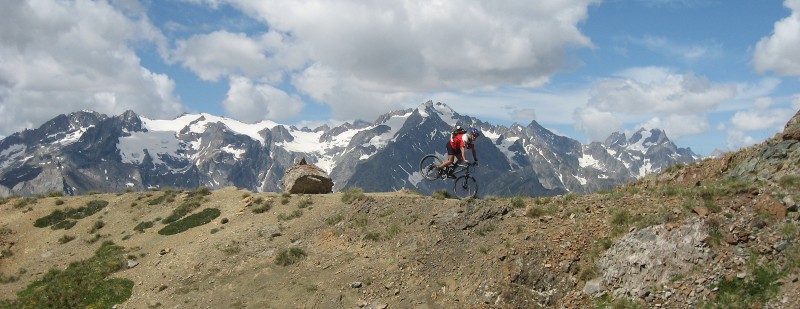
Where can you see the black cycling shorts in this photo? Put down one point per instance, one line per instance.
(453, 152)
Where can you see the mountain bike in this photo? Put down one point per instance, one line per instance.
(465, 186)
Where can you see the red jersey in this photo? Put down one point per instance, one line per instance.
(461, 140)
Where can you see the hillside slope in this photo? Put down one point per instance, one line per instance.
(720, 232)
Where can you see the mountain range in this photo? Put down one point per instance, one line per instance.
(87, 152)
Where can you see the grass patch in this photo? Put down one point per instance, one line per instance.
(518, 202)
(182, 210)
(97, 226)
(290, 256)
(57, 219)
(143, 226)
(535, 212)
(352, 195)
(304, 203)
(293, 215)
(23, 202)
(441, 194)
(194, 220)
(65, 239)
(791, 182)
(12, 278)
(752, 292)
(82, 285)
(231, 248)
(373, 236)
(262, 206)
(332, 220)
(485, 229)
(168, 195)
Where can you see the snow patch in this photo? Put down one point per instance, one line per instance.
(589, 161)
(132, 148)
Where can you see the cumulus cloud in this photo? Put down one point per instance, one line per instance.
(221, 53)
(673, 101)
(64, 56)
(761, 119)
(677, 126)
(251, 102)
(778, 52)
(380, 51)
(597, 124)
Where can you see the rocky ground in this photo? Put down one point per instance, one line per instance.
(722, 232)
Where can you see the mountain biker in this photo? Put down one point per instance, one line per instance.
(460, 141)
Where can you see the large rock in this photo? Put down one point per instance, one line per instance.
(792, 129)
(306, 178)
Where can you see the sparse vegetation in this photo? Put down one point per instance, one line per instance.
(262, 206)
(231, 248)
(65, 239)
(182, 210)
(352, 195)
(751, 292)
(194, 220)
(293, 215)
(441, 194)
(82, 285)
(332, 220)
(518, 202)
(791, 182)
(286, 257)
(59, 219)
(143, 226)
(304, 203)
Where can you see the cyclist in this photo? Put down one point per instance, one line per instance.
(460, 141)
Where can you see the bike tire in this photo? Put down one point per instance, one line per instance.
(427, 166)
(465, 187)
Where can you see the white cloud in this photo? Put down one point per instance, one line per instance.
(221, 53)
(796, 101)
(674, 102)
(64, 56)
(677, 126)
(779, 52)
(689, 52)
(761, 119)
(379, 52)
(255, 102)
(738, 139)
(597, 124)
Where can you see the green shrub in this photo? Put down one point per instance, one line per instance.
(263, 207)
(748, 293)
(295, 214)
(59, 202)
(97, 226)
(143, 226)
(289, 256)
(373, 236)
(518, 202)
(304, 203)
(352, 195)
(535, 212)
(183, 209)
(332, 220)
(194, 220)
(65, 239)
(441, 194)
(485, 229)
(790, 182)
(58, 218)
(82, 285)
(25, 201)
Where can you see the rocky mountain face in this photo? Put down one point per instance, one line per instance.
(86, 151)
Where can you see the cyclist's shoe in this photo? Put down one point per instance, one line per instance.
(451, 176)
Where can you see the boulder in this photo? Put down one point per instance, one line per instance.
(792, 129)
(306, 178)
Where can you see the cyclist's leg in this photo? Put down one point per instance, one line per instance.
(451, 153)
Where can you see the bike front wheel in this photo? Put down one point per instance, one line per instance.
(428, 166)
(465, 187)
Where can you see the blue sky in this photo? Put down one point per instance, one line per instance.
(714, 74)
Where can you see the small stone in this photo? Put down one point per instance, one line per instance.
(356, 284)
(741, 275)
(165, 251)
(224, 220)
(132, 264)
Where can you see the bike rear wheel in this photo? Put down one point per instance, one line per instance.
(428, 166)
(465, 187)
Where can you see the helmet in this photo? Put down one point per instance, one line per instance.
(476, 132)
